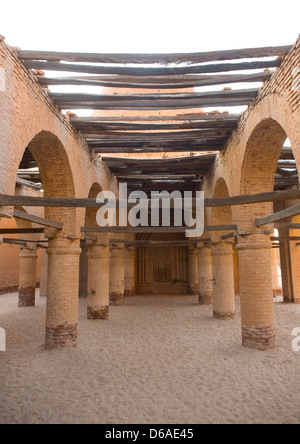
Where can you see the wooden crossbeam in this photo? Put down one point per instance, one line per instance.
(200, 57)
(85, 126)
(65, 202)
(157, 147)
(151, 71)
(288, 226)
(21, 230)
(283, 238)
(115, 136)
(215, 116)
(37, 220)
(154, 229)
(280, 215)
(154, 101)
(164, 82)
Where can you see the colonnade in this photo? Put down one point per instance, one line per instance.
(111, 277)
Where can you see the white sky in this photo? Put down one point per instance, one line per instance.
(153, 26)
(148, 26)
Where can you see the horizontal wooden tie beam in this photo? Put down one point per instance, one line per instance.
(196, 57)
(21, 230)
(154, 229)
(273, 196)
(215, 116)
(151, 71)
(164, 82)
(37, 220)
(280, 215)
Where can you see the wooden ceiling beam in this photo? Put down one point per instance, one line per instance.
(198, 57)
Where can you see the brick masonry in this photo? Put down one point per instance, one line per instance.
(28, 118)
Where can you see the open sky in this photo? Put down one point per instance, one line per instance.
(148, 26)
(153, 26)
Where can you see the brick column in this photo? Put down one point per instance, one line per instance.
(27, 277)
(98, 282)
(62, 293)
(116, 275)
(295, 264)
(129, 271)
(193, 270)
(43, 273)
(205, 275)
(223, 281)
(257, 307)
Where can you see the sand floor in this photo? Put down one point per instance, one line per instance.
(158, 359)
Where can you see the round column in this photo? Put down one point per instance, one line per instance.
(129, 271)
(205, 275)
(257, 307)
(193, 270)
(62, 293)
(116, 275)
(27, 277)
(98, 282)
(223, 281)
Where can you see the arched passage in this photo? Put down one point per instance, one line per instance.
(63, 251)
(263, 150)
(222, 259)
(94, 270)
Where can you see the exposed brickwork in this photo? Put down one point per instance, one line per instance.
(63, 335)
(223, 282)
(27, 297)
(10, 289)
(129, 293)
(116, 298)
(100, 313)
(224, 316)
(28, 118)
(205, 299)
(205, 278)
(262, 338)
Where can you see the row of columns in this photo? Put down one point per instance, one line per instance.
(111, 276)
(216, 285)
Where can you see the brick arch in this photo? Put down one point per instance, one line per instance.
(56, 175)
(90, 214)
(221, 215)
(262, 152)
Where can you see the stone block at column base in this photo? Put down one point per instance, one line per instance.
(205, 299)
(224, 316)
(262, 338)
(97, 313)
(64, 335)
(27, 297)
(194, 289)
(129, 293)
(116, 298)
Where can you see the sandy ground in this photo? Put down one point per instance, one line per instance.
(159, 359)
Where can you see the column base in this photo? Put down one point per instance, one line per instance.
(259, 338)
(205, 299)
(194, 290)
(289, 301)
(116, 298)
(224, 316)
(62, 336)
(99, 313)
(128, 293)
(27, 297)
